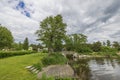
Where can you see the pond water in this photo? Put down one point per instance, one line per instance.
(97, 69)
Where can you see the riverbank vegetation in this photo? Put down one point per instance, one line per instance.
(51, 59)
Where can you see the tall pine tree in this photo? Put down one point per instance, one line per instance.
(26, 44)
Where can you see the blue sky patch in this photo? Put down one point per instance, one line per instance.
(27, 13)
(21, 4)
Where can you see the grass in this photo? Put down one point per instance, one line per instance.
(13, 68)
(53, 59)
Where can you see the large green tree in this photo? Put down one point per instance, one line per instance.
(26, 44)
(51, 32)
(6, 38)
(75, 42)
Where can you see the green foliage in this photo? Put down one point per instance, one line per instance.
(44, 51)
(104, 43)
(108, 49)
(38, 66)
(44, 77)
(54, 58)
(51, 32)
(36, 46)
(6, 38)
(65, 79)
(74, 41)
(17, 46)
(84, 49)
(108, 43)
(106, 54)
(26, 44)
(4, 54)
(116, 45)
(96, 46)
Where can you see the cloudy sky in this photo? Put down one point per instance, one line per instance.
(98, 19)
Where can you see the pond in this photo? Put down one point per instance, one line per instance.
(97, 69)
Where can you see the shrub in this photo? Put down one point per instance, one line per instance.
(83, 49)
(108, 49)
(44, 77)
(4, 54)
(44, 51)
(38, 66)
(54, 58)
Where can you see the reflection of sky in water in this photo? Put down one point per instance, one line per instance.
(104, 69)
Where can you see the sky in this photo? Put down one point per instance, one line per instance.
(97, 19)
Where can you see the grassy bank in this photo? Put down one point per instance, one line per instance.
(13, 68)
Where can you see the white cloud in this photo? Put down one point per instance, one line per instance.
(91, 17)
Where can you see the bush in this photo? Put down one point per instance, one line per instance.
(83, 49)
(54, 58)
(4, 54)
(107, 54)
(38, 66)
(44, 77)
(44, 51)
(108, 49)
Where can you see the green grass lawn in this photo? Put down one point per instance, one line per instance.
(13, 68)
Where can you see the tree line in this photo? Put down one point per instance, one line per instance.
(7, 40)
(52, 34)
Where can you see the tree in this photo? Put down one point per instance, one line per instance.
(116, 45)
(26, 44)
(51, 32)
(17, 46)
(35, 47)
(20, 46)
(96, 46)
(108, 43)
(6, 38)
(75, 42)
(104, 43)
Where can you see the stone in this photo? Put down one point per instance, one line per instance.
(32, 68)
(28, 67)
(57, 71)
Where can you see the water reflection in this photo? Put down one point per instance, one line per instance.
(97, 69)
(81, 68)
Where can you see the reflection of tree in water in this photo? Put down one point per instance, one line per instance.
(99, 61)
(118, 61)
(103, 61)
(81, 69)
(112, 62)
